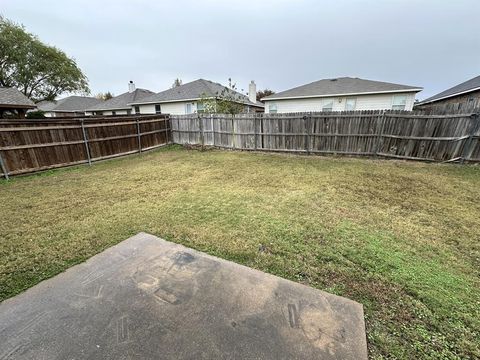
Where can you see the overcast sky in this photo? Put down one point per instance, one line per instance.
(280, 44)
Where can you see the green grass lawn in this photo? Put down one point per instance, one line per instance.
(402, 238)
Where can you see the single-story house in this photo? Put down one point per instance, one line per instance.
(119, 105)
(68, 107)
(342, 94)
(466, 94)
(186, 99)
(13, 102)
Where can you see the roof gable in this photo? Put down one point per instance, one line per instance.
(12, 96)
(342, 86)
(467, 86)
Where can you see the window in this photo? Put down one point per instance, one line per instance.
(399, 102)
(137, 109)
(350, 104)
(114, 113)
(188, 108)
(200, 107)
(327, 105)
(158, 109)
(272, 108)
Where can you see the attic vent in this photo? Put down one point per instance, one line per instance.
(333, 79)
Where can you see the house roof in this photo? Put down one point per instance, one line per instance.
(11, 97)
(121, 101)
(69, 104)
(342, 86)
(465, 87)
(46, 105)
(193, 91)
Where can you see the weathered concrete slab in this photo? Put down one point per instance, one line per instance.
(150, 299)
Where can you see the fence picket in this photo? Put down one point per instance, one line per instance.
(390, 134)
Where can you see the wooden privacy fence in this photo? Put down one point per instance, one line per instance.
(29, 146)
(392, 134)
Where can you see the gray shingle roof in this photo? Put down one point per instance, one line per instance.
(464, 87)
(70, 104)
(341, 86)
(13, 97)
(192, 91)
(46, 105)
(122, 101)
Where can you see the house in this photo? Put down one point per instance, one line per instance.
(466, 94)
(68, 107)
(119, 105)
(13, 102)
(186, 99)
(342, 94)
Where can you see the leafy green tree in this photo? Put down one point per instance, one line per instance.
(39, 71)
(105, 96)
(263, 93)
(38, 114)
(228, 101)
(177, 82)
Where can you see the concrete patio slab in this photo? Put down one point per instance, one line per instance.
(147, 298)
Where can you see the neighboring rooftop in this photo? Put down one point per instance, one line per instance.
(194, 90)
(342, 86)
(46, 105)
(121, 102)
(69, 104)
(465, 87)
(11, 97)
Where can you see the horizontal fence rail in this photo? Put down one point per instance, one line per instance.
(390, 134)
(36, 145)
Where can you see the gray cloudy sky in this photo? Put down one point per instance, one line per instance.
(279, 44)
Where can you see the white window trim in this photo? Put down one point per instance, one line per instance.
(354, 104)
(393, 99)
(326, 102)
(270, 108)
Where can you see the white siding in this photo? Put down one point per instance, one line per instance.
(107, 112)
(363, 102)
(174, 108)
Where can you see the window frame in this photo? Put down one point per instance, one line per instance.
(324, 103)
(394, 105)
(137, 109)
(158, 109)
(354, 103)
(272, 108)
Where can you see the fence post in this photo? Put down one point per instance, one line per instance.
(166, 121)
(139, 137)
(3, 166)
(202, 134)
(307, 123)
(233, 131)
(469, 144)
(383, 119)
(85, 141)
(255, 131)
(213, 128)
